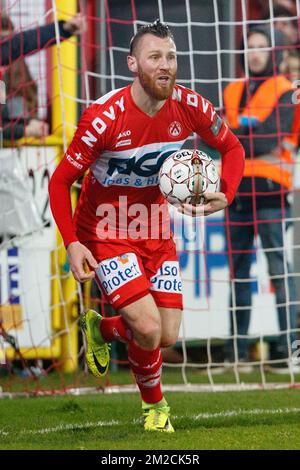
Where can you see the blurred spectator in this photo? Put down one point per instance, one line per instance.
(21, 93)
(283, 22)
(282, 8)
(33, 40)
(289, 5)
(20, 85)
(291, 56)
(260, 112)
(291, 65)
(21, 90)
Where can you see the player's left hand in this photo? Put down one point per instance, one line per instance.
(213, 202)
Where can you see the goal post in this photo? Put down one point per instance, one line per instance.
(64, 75)
(64, 122)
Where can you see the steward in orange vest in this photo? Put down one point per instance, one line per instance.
(261, 113)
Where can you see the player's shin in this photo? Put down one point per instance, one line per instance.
(146, 366)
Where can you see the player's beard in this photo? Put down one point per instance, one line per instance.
(152, 89)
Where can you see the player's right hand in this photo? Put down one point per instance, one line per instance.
(80, 259)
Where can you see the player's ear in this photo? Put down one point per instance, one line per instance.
(132, 64)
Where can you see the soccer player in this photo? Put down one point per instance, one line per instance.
(123, 138)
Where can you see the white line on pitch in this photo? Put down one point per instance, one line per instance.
(240, 412)
(196, 417)
(71, 426)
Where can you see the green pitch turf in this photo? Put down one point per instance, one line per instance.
(227, 420)
(59, 381)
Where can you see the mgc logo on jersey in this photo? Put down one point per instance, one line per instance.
(141, 165)
(137, 167)
(167, 278)
(115, 272)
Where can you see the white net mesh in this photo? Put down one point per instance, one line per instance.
(38, 300)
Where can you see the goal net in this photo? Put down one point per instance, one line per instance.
(41, 349)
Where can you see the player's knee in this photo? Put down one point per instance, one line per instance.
(150, 331)
(168, 339)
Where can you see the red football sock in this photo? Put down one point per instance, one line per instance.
(146, 366)
(115, 329)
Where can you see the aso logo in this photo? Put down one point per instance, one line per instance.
(116, 272)
(147, 165)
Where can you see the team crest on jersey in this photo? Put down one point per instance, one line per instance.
(175, 129)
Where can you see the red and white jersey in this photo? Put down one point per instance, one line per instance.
(125, 148)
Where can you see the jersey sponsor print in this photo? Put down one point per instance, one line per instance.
(125, 148)
(116, 272)
(167, 278)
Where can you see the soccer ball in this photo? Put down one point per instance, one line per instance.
(186, 175)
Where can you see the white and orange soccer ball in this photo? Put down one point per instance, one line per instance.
(186, 175)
